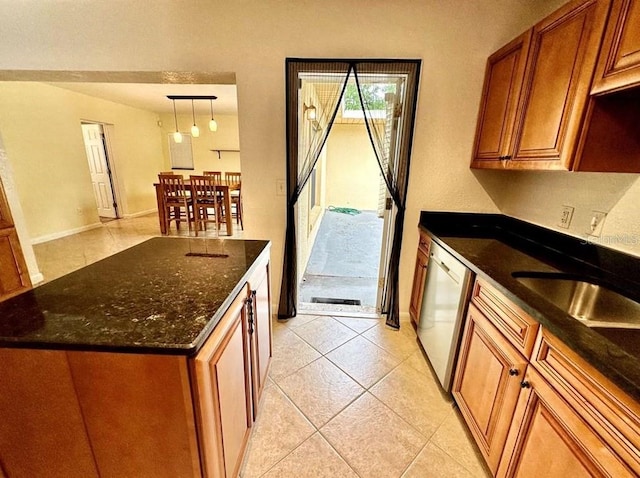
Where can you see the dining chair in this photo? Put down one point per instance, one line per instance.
(216, 174)
(203, 193)
(178, 205)
(235, 178)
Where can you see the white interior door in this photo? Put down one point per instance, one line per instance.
(99, 169)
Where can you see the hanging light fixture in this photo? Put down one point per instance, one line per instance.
(213, 125)
(177, 136)
(195, 131)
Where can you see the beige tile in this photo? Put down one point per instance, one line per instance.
(418, 361)
(290, 353)
(358, 325)
(324, 334)
(298, 320)
(432, 461)
(415, 396)
(363, 360)
(279, 429)
(320, 390)
(313, 459)
(372, 439)
(454, 439)
(400, 343)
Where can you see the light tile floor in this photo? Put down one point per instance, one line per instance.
(61, 256)
(346, 397)
(350, 397)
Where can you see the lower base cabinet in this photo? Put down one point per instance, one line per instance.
(112, 415)
(540, 410)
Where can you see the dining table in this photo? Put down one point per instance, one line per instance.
(223, 189)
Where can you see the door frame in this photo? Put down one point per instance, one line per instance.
(107, 136)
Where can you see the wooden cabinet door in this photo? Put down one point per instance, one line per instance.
(260, 332)
(487, 384)
(562, 58)
(14, 277)
(619, 63)
(419, 278)
(223, 393)
(502, 83)
(548, 438)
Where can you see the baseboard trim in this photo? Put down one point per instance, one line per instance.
(141, 213)
(68, 232)
(36, 278)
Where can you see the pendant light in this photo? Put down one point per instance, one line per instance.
(177, 136)
(213, 125)
(195, 131)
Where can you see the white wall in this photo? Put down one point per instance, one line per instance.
(40, 126)
(353, 174)
(252, 39)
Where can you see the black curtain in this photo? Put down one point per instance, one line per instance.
(391, 143)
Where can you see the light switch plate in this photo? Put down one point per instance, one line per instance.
(597, 223)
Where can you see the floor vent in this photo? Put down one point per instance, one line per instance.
(332, 300)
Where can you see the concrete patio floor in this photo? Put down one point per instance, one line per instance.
(344, 262)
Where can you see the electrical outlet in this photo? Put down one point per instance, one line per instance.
(280, 188)
(597, 223)
(565, 216)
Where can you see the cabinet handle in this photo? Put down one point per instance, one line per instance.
(525, 384)
(508, 156)
(514, 372)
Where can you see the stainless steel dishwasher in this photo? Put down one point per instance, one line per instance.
(447, 290)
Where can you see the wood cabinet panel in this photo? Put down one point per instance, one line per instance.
(223, 392)
(260, 332)
(42, 433)
(503, 80)
(562, 58)
(516, 325)
(419, 277)
(609, 411)
(619, 63)
(138, 414)
(486, 384)
(548, 438)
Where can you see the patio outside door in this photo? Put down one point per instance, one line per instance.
(99, 169)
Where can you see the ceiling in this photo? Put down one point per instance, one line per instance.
(153, 96)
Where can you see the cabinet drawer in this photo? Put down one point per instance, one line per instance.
(515, 324)
(608, 410)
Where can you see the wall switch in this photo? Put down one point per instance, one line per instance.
(281, 190)
(565, 216)
(597, 223)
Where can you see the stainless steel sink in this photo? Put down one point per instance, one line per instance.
(593, 305)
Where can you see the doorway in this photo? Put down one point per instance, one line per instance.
(101, 171)
(381, 96)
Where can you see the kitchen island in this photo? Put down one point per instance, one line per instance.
(148, 363)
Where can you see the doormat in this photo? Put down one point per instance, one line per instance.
(332, 300)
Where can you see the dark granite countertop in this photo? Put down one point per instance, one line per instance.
(151, 298)
(495, 246)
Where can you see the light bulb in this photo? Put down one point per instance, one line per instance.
(213, 125)
(195, 131)
(177, 137)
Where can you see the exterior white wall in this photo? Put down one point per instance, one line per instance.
(353, 174)
(252, 38)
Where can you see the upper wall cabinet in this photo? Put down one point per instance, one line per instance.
(619, 63)
(556, 124)
(503, 81)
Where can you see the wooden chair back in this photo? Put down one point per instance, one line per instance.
(217, 175)
(173, 189)
(203, 189)
(232, 178)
